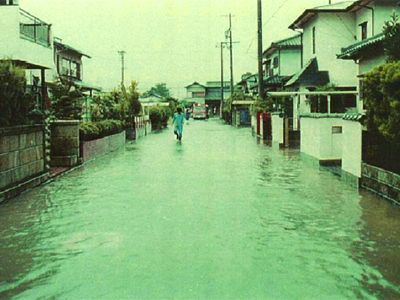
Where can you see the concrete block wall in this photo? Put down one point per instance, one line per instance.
(96, 148)
(64, 143)
(22, 154)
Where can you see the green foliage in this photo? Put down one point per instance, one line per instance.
(173, 105)
(118, 104)
(15, 103)
(391, 42)
(66, 102)
(382, 100)
(91, 131)
(159, 116)
(262, 105)
(319, 103)
(159, 89)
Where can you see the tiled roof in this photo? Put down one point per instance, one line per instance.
(308, 14)
(276, 80)
(351, 51)
(353, 117)
(310, 74)
(194, 83)
(217, 84)
(292, 42)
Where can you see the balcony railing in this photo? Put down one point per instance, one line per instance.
(34, 29)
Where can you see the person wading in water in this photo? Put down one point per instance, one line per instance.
(177, 122)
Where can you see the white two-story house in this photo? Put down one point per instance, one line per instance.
(281, 60)
(27, 41)
(325, 29)
(367, 52)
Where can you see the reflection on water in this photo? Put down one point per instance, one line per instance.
(216, 216)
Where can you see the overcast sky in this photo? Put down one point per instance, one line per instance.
(171, 41)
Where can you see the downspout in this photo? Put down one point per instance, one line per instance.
(301, 50)
(279, 61)
(373, 18)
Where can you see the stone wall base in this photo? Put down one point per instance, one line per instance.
(20, 188)
(64, 161)
(382, 182)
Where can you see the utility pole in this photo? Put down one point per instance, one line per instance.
(260, 51)
(231, 55)
(222, 46)
(122, 53)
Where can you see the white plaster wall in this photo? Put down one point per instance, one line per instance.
(290, 61)
(9, 31)
(352, 148)
(382, 12)
(331, 143)
(277, 128)
(317, 139)
(332, 34)
(310, 137)
(367, 65)
(14, 47)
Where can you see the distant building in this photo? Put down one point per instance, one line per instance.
(209, 94)
(195, 93)
(69, 65)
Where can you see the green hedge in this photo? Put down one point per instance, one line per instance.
(91, 131)
(159, 116)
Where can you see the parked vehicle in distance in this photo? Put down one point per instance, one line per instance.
(199, 111)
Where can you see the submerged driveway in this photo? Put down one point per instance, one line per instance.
(216, 216)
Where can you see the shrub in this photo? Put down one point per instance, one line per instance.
(91, 131)
(382, 100)
(66, 102)
(15, 103)
(159, 116)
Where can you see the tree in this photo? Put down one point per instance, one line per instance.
(391, 42)
(382, 100)
(132, 97)
(15, 103)
(159, 89)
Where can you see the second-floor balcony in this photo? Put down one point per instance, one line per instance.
(33, 29)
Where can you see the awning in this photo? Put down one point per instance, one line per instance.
(355, 51)
(86, 86)
(25, 64)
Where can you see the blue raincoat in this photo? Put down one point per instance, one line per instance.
(178, 120)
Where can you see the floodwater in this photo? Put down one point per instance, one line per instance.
(216, 216)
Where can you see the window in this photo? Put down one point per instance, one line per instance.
(337, 129)
(364, 31)
(276, 62)
(65, 66)
(198, 94)
(313, 40)
(268, 70)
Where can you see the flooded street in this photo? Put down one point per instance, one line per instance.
(216, 216)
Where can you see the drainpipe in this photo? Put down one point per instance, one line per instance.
(301, 50)
(373, 18)
(279, 61)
